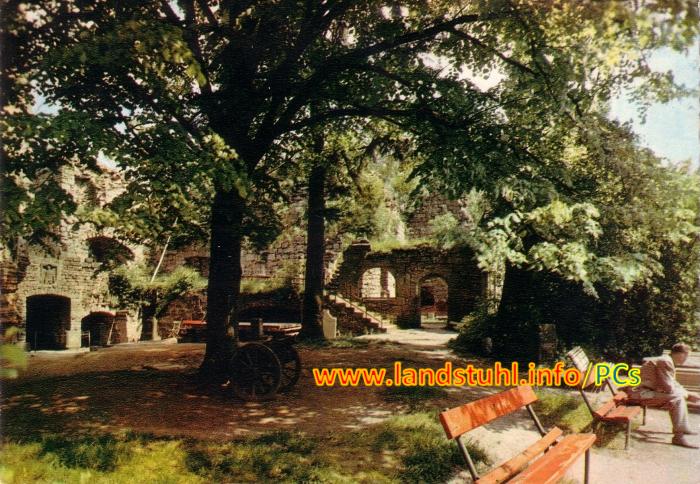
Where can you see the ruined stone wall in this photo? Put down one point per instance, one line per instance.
(66, 272)
(283, 256)
(466, 283)
(431, 206)
(190, 306)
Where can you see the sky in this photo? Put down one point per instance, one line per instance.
(671, 130)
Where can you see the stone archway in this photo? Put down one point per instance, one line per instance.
(433, 293)
(97, 329)
(47, 321)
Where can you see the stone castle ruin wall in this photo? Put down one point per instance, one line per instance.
(57, 294)
(64, 283)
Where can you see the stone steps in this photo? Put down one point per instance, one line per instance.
(359, 315)
(363, 309)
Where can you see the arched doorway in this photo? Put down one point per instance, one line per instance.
(97, 329)
(48, 319)
(433, 300)
(377, 283)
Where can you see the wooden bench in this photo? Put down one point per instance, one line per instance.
(618, 409)
(556, 453)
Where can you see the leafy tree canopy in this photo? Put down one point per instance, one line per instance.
(193, 98)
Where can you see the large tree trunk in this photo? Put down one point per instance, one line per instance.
(315, 250)
(224, 281)
(516, 336)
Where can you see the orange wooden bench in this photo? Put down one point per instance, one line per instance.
(617, 409)
(545, 461)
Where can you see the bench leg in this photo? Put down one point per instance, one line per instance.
(644, 414)
(629, 431)
(586, 469)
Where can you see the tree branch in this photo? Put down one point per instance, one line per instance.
(508, 60)
(417, 36)
(336, 64)
(151, 101)
(388, 114)
(190, 36)
(279, 83)
(204, 7)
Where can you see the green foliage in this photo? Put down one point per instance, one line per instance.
(387, 244)
(600, 263)
(367, 214)
(131, 285)
(474, 329)
(12, 356)
(257, 286)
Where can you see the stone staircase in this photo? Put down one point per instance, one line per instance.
(353, 316)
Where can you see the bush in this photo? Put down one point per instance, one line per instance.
(476, 332)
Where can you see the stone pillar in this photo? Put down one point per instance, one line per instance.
(407, 291)
(73, 333)
(384, 283)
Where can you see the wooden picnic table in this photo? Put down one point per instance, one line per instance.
(197, 326)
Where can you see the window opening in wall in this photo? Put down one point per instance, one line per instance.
(378, 283)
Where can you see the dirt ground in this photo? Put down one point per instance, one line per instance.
(153, 388)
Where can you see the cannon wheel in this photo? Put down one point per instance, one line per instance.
(255, 372)
(290, 363)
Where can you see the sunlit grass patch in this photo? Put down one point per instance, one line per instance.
(278, 456)
(105, 459)
(413, 448)
(407, 448)
(562, 409)
(569, 413)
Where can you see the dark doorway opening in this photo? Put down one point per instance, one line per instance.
(48, 319)
(433, 300)
(97, 329)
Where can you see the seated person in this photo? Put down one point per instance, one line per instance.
(660, 389)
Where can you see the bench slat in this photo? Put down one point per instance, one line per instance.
(553, 465)
(511, 467)
(620, 414)
(462, 419)
(605, 409)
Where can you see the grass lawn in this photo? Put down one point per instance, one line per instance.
(406, 448)
(569, 413)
